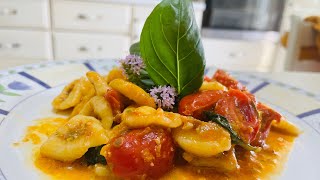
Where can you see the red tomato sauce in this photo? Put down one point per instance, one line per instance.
(262, 165)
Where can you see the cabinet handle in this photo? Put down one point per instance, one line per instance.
(86, 49)
(135, 20)
(85, 17)
(83, 49)
(8, 12)
(99, 48)
(236, 54)
(10, 46)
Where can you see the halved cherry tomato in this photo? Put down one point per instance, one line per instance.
(194, 104)
(225, 79)
(267, 116)
(241, 113)
(141, 152)
(116, 100)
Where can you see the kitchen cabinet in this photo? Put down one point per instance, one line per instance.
(80, 45)
(41, 30)
(232, 54)
(91, 16)
(26, 44)
(27, 13)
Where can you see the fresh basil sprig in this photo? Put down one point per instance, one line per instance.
(171, 47)
(235, 139)
(142, 80)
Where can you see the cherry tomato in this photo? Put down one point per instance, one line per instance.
(241, 113)
(141, 152)
(207, 78)
(116, 100)
(267, 116)
(194, 104)
(225, 79)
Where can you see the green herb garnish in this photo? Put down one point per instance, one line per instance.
(92, 156)
(171, 47)
(235, 139)
(134, 68)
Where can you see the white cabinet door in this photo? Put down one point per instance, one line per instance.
(25, 44)
(79, 15)
(80, 46)
(26, 13)
(140, 14)
(239, 54)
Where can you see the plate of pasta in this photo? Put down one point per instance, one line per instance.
(34, 110)
(158, 113)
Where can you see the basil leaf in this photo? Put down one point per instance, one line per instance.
(171, 47)
(135, 48)
(92, 156)
(235, 139)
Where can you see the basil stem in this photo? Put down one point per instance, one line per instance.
(235, 139)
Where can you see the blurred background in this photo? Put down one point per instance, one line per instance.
(244, 35)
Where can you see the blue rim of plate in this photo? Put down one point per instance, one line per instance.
(18, 84)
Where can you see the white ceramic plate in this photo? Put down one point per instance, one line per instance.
(26, 93)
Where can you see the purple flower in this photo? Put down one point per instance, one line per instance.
(164, 96)
(132, 64)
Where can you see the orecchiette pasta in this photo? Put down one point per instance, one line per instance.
(145, 116)
(225, 161)
(286, 127)
(72, 140)
(115, 121)
(214, 85)
(88, 92)
(69, 97)
(115, 73)
(202, 138)
(133, 92)
(100, 85)
(98, 107)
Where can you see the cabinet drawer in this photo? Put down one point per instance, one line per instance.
(25, 44)
(91, 16)
(27, 13)
(79, 46)
(238, 53)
